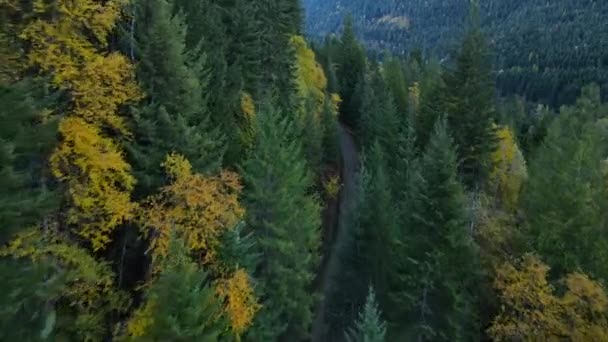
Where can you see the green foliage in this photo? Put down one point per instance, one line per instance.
(434, 297)
(285, 219)
(350, 72)
(27, 135)
(565, 200)
(180, 305)
(175, 116)
(532, 59)
(470, 108)
(369, 326)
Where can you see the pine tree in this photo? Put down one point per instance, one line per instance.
(379, 120)
(564, 199)
(369, 326)
(26, 137)
(470, 105)
(175, 115)
(434, 300)
(285, 220)
(351, 68)
(208, 38)
(379, 219)
(180, 305)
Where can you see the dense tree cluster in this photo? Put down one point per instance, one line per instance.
(547, 51)
(160, 170)
(477, 217)
(186, 170)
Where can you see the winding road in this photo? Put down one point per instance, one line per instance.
(350, 166)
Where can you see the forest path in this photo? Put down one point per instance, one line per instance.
(350, 167)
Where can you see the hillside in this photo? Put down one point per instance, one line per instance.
(546, 50)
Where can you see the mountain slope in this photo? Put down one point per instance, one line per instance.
(544, 49)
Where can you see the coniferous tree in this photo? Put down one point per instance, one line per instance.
(469, 100)
(180, 304)
(207, 37)
(351, 67)
(564, 200)
(379, 120)
(369, 326)
(379, 219)
(436, 298)
(285, 220)
(175, 115)
(27, 138)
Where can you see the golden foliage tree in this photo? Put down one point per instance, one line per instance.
(532, 311)
(311, 79)
(68, 40)
(196, 208)
(241, 304)
(509, 169)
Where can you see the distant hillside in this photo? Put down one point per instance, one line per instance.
(545, 49)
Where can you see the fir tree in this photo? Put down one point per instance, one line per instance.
(285, 220)
(351, 67)
(369, 326)
(26, 138)
(180, 304)
(564, 201)
(435, 295)
(379, 219)
(175, 115)
(470, 105)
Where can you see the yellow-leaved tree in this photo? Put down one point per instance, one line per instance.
(311, 79)
(531, 311)
(197, 208)
(240, 302)
(509, 169)
(68, 40)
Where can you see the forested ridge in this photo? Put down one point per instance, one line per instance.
(196, 170)
(544, 50)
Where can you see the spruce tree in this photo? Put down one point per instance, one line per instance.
(207, 38)
(434, 299)
(181, 303)
(369, 326)
(564, 201)
(379, 219)
(285, 220)
(27, 138)
(379, 120)
(351, 68)
(469, 100)
(174, 117)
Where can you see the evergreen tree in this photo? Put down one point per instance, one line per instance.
(175, 115)
(285, 220)
(379, 219)
(565, 202)
(180, 304)
(26, 138)
(379, 120)
(351, 68)
(470, 104)
(435, 299)
(207, 38)
(369, 326)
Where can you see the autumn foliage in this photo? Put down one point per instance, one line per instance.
(195, 207)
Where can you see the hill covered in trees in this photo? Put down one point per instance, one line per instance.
(195, 170)
(545, 50)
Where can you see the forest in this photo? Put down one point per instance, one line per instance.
(201, 170)
(546, 51)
